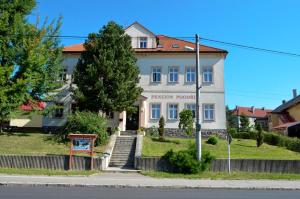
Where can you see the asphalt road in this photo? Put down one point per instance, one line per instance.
(40, 192)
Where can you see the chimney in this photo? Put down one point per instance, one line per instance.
(252, 109)
(263, 108)
(294, 93)
(283, 101)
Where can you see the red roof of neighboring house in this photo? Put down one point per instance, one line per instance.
(33, 106)
(247, 111)
(166, 46)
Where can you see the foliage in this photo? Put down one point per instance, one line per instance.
(152, 131)
(245, 135)
(30, 57)
(161, 128)
(87, 123)
(232, 132)
(259, 136)
(244, 123)
(106, 74)
(231, 119)
(140, 130)
(212, 140)
(186, 121)
(185, 161)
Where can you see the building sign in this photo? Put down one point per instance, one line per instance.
(177, 97)
(81, 143)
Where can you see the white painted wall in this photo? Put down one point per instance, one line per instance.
(136, 31)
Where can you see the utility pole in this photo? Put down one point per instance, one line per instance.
(198, 125)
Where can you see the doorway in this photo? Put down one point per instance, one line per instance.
(132, 120)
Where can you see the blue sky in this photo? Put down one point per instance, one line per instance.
(252, 78)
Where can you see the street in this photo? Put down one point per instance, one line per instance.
(38, 192)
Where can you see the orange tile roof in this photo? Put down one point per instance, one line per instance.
(166, 46)
(247, 111)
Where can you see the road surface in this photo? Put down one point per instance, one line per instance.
(42, 192)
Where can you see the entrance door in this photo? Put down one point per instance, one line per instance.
(132, 120)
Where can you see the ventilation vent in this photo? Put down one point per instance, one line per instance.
(160, 46)
(175, 46)
(188, 48)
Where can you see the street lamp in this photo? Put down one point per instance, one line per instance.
(198, 125)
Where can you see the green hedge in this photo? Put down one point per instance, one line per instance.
(87, 123)
(292, 144)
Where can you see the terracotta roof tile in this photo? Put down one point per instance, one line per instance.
(166, 44)
(247, 111)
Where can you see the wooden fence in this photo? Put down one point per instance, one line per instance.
(49, 162)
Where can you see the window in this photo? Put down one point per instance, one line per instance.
(190, 74)
(59, 111)
(156, 74)
(208, 112)
(207, 75)
(143, 42)
(155, 111)
(172, 111)
(63, 75)
(173, 74)
(191, 107)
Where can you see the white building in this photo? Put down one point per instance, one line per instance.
(167, 76)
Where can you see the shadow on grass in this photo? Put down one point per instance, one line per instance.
(19, 134)
(245, 146)
(55, 138)
(165, 141)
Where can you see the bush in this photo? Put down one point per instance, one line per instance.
(245, 135)
(152, 131)
(294, 145)
(212, 140)
(186, 121)
(259, 136)
(232, 132)
(186, 162)
(161, 128)
(87, 123)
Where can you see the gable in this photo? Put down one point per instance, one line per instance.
(137, 31)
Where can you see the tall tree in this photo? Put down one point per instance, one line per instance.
(106, 74)
(230, 118)
(30, 57)
(244, 123)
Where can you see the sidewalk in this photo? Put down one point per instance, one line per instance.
(138, 180)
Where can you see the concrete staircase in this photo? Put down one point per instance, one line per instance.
(128, 133)
(123, 152)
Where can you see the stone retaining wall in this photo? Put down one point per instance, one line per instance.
(60, 162)
(221, 165)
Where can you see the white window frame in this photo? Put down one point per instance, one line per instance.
(208, 75)
(174, 74)
(143, 42)
(188, 70)
(211, 112)
(169, 109)
(151, 107)
(187, 107)
(152, 74)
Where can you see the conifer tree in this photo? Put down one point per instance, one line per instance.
(106, 74)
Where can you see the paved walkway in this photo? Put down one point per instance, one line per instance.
(138, 180)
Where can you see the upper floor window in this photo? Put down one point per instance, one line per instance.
(208, 112)
(143, 42)
(155, 111)
(190, 74)
(156, 74)
(172, 111)
(173, 74)
(207, 75)
(63, 75)
(191, 107)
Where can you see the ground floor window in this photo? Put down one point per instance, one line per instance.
(59, 111)
(155, 111)
(208, 112)
(191, 107)
(172, 111)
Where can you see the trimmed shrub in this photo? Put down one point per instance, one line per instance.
(152, 131)
(232, 132)
(186, 121)
(212, 140)
(259, 136)
(87, 123)
(161, 128)
(186, 162)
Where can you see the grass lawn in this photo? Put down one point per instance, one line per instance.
(13, 171)
(240, 148)
(34, 144)
(225, 176)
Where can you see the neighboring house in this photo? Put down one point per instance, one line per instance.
(167, 76)
(286, 117)
(255, 115)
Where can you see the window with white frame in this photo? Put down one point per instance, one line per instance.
(190, 74)
(63, 75)
(143, 42)
(208, 112)
(155, 111)
(208, 75)
(59, 111)
(173, 74)
(172, 111)
(191, 107)
(156, 74)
